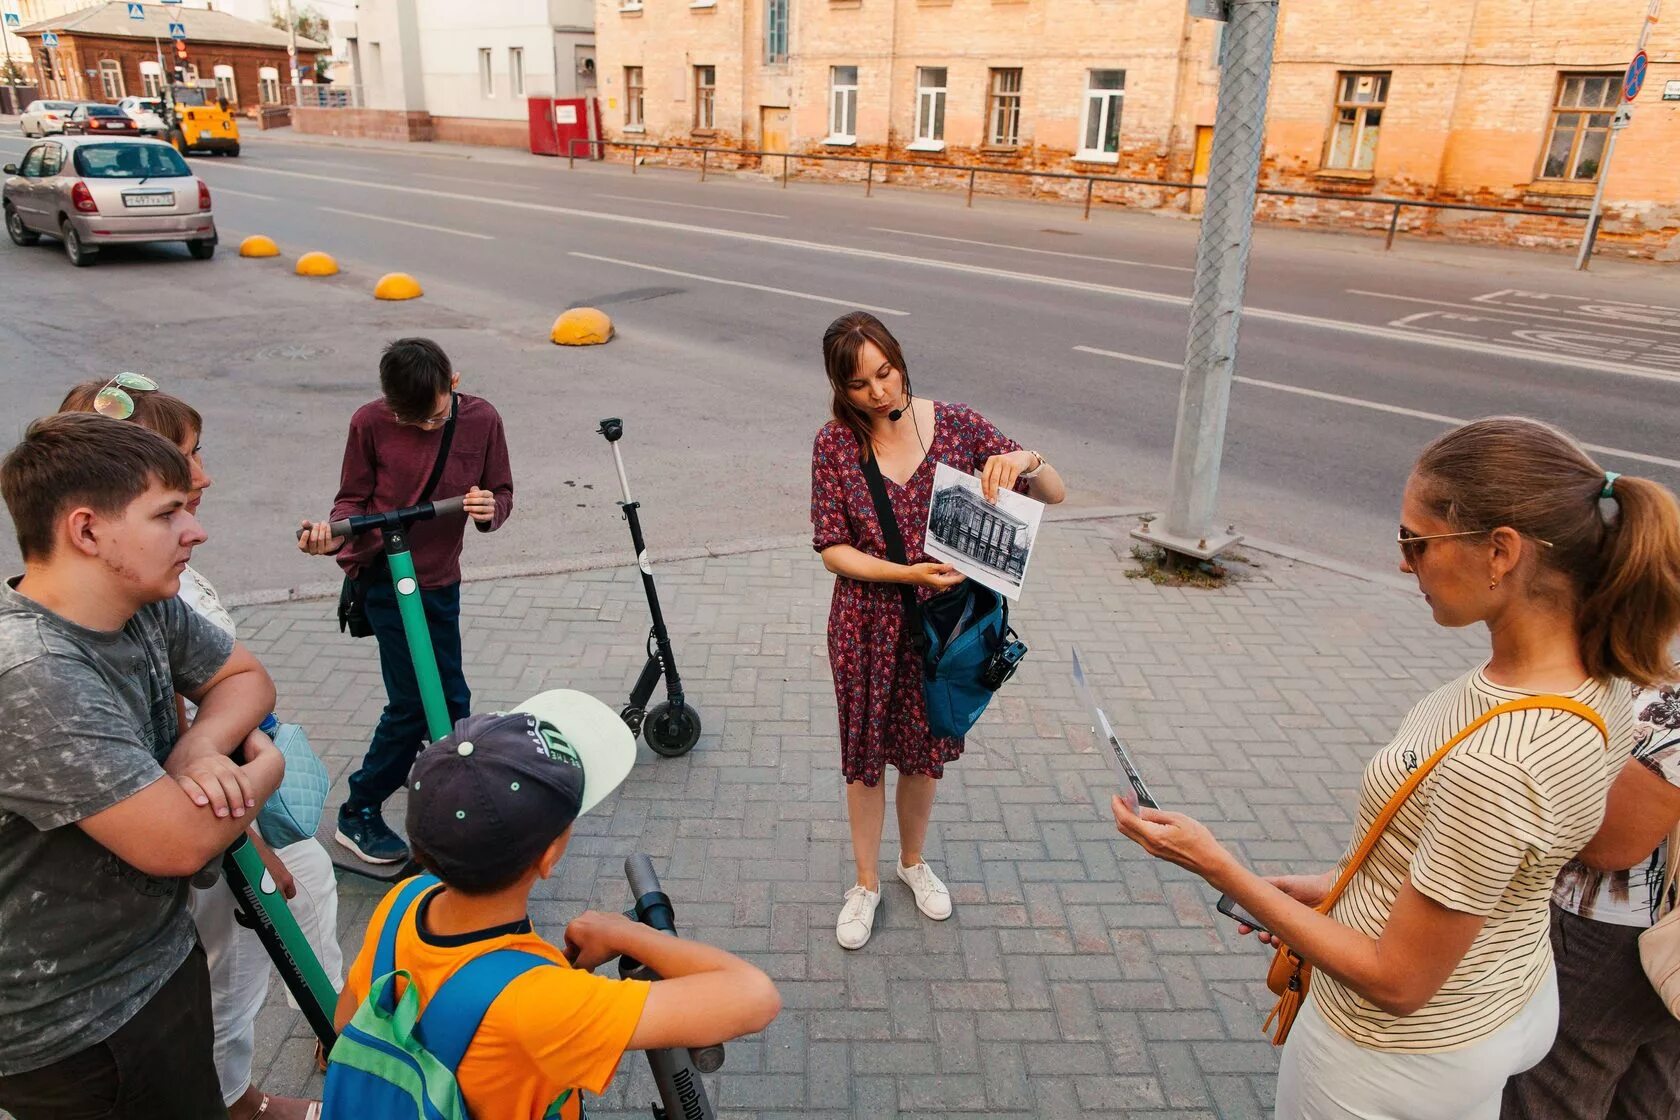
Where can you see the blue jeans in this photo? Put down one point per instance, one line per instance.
(402, 728)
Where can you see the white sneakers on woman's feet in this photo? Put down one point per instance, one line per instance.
(932, 898)
(857, 917)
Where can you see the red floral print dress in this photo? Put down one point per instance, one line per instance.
(877, 676)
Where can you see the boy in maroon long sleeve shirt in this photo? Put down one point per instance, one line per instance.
(394, 443)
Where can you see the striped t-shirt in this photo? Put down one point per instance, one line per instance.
(1486, 833)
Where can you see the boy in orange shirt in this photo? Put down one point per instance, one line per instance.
(490, 810)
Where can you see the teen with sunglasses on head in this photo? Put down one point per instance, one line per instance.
(239, 966)
(1435, 979)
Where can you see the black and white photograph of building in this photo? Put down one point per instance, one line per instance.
(985, 542)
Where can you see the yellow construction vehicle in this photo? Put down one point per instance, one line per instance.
(198, 121)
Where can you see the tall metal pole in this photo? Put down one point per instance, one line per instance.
(1221, 271)
(11, 66)
(292, 55)
(1595, 215)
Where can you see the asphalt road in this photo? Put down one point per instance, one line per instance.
(1066, 333)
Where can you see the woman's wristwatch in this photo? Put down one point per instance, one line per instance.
(1037, 466)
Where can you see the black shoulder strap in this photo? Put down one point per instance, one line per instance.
(443, 450)
(895, 546)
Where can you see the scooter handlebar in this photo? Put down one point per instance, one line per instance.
(653, 908)
(425, 511)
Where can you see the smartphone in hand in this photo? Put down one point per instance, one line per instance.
(1228, 907)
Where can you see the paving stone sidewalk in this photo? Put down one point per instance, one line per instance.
(1076, 977)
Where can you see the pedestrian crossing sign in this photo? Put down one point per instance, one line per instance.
(178, 31)
(137, 11)
(11, 19)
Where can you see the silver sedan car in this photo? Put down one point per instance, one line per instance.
(92, 191)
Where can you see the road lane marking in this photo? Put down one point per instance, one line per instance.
(1472, 346)
(401, 222)
(1142, 361)
(1374, 406)
(246, 194)
(463, 180)
(693, 206)
(1518, 314)
(739, 284)
(1025, 249)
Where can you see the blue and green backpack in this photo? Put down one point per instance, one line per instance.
(396, 1062)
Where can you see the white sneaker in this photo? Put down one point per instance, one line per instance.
(932, 898)
(857, 917)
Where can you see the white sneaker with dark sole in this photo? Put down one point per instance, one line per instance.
(857, 917)
(932, 898)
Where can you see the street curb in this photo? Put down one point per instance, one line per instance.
(310, 591)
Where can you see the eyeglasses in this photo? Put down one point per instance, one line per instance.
(114, 399)
(442, 418)
(1413, 545)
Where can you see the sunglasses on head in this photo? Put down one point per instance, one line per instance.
(114, 399)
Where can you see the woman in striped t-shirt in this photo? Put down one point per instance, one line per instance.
(1434, 975)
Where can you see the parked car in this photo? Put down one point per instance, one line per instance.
(147, 113)
(91, 118)
(92, 191)
(42, 117)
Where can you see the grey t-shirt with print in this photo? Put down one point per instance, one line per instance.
(89, 716)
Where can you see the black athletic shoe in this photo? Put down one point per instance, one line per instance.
(365, 832)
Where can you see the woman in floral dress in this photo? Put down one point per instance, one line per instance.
(877, 676)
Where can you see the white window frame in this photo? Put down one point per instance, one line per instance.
(516, 71)
(222, 72)
(931, 102)
(705, 99)
(151, 79)
(268, 85)
(1349, 100)
(842, 106)
(486, 72)
(776, 17)
(1107, 104)
(111, 79)
(1003, 107)
(635, 99)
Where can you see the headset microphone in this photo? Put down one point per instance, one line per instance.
(896, 414)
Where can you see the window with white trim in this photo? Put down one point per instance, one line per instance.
(226, 87)
(633, 97)
(268, 85)
(930, 106)
(516, 71)
(486, 73)
(842, 103)
(1360, 100)
(1100, 136)
(111, 79)
(151, 79)
(775, 31)
(705, 94)
(1003, 117)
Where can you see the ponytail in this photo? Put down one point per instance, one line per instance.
(1614, 539)
(1629, 616)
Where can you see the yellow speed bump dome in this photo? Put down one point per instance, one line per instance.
(317, 264)
(397, 285)
(581, 326)
(258, 246)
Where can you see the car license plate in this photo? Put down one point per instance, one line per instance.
(112, 124)
(149, 199)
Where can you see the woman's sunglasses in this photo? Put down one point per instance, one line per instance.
(114, 399)
(1413, 545)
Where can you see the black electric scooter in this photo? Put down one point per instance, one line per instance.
(671, 728)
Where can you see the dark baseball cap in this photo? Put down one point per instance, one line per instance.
(500, 787)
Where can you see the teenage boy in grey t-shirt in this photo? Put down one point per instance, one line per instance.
(106, 805)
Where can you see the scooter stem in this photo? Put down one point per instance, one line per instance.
(623, 479)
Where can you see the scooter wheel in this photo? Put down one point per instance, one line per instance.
(633, 718)
(672, 731)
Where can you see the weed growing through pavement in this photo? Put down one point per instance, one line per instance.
(1164, 569)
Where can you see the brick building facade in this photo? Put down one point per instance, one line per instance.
(103, 55)
(1501, 102)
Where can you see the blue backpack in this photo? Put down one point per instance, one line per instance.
(396, 1062)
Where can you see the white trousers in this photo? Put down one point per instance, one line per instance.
(1326, 1076)
(239, 966)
